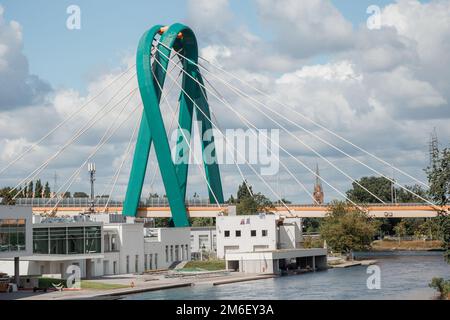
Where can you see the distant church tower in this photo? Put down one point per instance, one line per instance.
(318, 190)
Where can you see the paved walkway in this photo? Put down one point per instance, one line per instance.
(141, 283)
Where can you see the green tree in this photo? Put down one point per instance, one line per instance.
(30, 190)
(80, 194)
(346, 228)
(248, 202)
(244, 191)
(400, 230)
(202, 222)
(47, 190)
(442, 286)
(7, 196)
(38, 190)
(379, 186)
(66, 194)
(439, 181)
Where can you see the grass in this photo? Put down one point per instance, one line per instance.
(210, 265)
(93, 285)
(85, 284)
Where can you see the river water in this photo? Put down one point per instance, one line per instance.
(404, 275)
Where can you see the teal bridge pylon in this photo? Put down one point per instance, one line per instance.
(174, 174)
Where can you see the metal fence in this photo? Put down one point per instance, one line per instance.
(155, 202)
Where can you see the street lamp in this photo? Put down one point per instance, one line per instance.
(91, 170)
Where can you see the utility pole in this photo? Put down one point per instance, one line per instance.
(393, 190)
(91, 170)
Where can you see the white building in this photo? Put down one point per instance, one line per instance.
(15, 236)
(265, 244)
(203, 240)
(100, 245)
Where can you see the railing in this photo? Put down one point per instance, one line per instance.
(161, 202)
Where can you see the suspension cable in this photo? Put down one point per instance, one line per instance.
(392, 181)
(312, 121)
(71, 116)
(250, 166)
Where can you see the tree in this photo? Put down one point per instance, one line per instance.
(254, 204)
(439, 181)
(346, 228)
(202, 222)
(38, 190)
(442, 286)
(66, 194)
(7, 196)
(80, 194)
(379, 186)
(400, 230)
(404, 196)
(244, 191)
(248, 202)
(30, 190)
(47, 190)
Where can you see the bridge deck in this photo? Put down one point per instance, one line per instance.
(301, 211)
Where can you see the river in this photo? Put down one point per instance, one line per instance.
(404, 275)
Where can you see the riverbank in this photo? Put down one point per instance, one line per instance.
(135, 284)
(406, 245)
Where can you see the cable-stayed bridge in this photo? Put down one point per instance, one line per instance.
(168, 58)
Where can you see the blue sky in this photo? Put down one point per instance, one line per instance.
(111, 29)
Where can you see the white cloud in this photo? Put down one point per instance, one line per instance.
(17, 86)
(305, 28)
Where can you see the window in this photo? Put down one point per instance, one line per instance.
(167, 253)
(253, 233)
(238, 233)
(58, 241)
(203, 242)
(227, 233)
(264, 233)
(151, 261)
(75, 237)
(12, 235)
(156, 261)
(40, 241)
(113, 243)
(93, 239)
(177, 252)
(128, 264)
(136, 264)
(145, 262)
(171, 253)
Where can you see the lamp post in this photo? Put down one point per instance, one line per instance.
(91, 170)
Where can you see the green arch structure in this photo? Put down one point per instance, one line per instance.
(152, 129)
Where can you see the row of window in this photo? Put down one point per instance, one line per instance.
(149, 262)
(67, 240)
(179, 254)
(238, 233)
(12, 235)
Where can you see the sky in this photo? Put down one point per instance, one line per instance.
(384, 89)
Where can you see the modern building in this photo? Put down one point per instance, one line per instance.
(265, 243)
(99, 245)
(15, 236)
(203, 242)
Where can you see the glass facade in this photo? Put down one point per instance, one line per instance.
(67, 240)
(12, 235)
